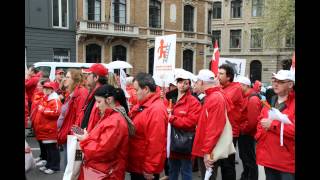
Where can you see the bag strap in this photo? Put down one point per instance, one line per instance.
(131, 127)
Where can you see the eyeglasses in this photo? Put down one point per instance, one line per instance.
(278, 81)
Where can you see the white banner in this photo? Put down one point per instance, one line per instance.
(165, 58)
(123, 82)
(238, 65)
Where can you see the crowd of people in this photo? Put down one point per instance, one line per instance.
(127, 132)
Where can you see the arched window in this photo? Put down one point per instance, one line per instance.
(119, 52)
(119, 11)
(188, 18)
(151, 60)
(255, 70)
(155, 14)
(93, 53)
(188, 60)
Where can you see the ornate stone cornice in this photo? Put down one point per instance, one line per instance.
(150, 44)
(188, 45)
(190, 2)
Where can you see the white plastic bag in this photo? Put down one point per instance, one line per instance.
(29, 161)
(72, 170)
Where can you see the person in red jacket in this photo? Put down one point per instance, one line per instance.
(71, 108)
(249, 119)
(131, 91)
(105, 147)
(278, 160)
(184, 117)
(211, 122)
(233, 91)
(148, 146)
(46, 128)
(31, 80)
(26, 110)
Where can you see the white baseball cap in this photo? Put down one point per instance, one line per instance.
(243, 80)
(182, 74)
(283, 75)
(205, 75)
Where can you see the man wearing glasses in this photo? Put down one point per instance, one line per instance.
(278, 158)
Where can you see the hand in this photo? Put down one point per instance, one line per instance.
(82, 137)
(40, 108)
(266, 123)
(208, 161)
(148, 176)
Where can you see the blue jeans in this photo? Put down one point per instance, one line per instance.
(65, 156)
(273, 174)
(183, 165)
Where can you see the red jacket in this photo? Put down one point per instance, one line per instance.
(234, 92)
(36, 99)
(31, 85)
(26, 110)
(76, 102)
(148, 145)
(252, 109)
(268, 150)
(185, 116)
(106, 148)
(45, 122)
(211, 122)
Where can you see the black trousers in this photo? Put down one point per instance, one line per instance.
(137, 176)
(43, 152)
(272, 174)
(248, 157)
(53, 158)
(202, 168)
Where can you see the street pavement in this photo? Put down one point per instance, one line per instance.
(36, 174)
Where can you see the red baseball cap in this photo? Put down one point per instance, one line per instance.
(98, 69)
(59, 71)
(49, 85)
(85, 71)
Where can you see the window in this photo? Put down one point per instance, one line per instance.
(188, 60)
(61, 55)
(236, 8)
(290, 41)
(93, 53)
(257, 8)
(216, 35)
(151, 60)
(60, 13)
(256, 38)
(119, 52)
(255, 70)
(94, 10)
(235, 38)
(119, 11)
(217, 10)
(209, 21)
(155, 14)
(188, 18)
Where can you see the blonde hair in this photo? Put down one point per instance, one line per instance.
(112, 80)
(77, 78)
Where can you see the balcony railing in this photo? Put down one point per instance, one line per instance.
(105, 28)
(189, 35)
(155, 32)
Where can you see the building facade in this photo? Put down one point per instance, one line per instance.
(234, 25)
(50, 31)
(126, 30)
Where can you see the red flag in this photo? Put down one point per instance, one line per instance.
(215, 58)
(293, 63)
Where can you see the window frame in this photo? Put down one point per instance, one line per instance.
(254, 34)
(113, 9)
(154, 2)
(233, 6)
(94, 10)
(240, 45)
(61, 58)
(216, 13)
(60, 15)
(256, 5)
(192, 19)
(192, 59)
(213, 38)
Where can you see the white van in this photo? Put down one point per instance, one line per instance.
(49, 68)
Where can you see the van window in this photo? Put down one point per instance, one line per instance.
(45, 70)
(65, 69)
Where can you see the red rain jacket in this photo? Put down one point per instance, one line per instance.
(234, 92)
(45, 122)
(31, 84)
(185, 116)
(148, 146)
(76, 103)
(211, 122)
(106, 148)
(268, 150)
(252, 109)
(26, 110)
(133, 95)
